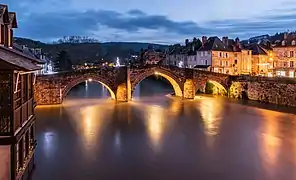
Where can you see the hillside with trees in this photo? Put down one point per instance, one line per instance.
(83, 49)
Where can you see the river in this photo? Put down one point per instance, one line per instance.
(158, 137)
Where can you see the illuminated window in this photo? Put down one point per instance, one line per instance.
(291, 74)
(281, 73)
(283, 43)
(293, 43)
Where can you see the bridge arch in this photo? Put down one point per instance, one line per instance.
(75, 81)
(174, 80)
(219, 88)
(218, 85)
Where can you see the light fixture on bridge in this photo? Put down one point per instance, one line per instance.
(90, 80)
(156, 72)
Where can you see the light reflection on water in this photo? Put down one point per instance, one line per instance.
(159, 137)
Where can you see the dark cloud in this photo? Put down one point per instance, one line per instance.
(136, 12)
(52, 25)
(58, 24)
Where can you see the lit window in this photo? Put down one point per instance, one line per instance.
(281, 73)
(291, 74)
(283, 43)
(293, 43)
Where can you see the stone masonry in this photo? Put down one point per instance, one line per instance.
(121, 82)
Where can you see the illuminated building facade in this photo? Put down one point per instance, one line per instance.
(17, 118)
(285, 55)
(262, 60)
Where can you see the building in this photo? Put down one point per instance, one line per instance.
(183, 56)
(262, 60)
(17, 118)
(176, 55)
(285, 55)
(153, 57)
(36, 53)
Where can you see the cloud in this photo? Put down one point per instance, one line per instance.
(51, 23)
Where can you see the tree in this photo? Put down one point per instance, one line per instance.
(186, 42)
(209, 88)
(62, 62)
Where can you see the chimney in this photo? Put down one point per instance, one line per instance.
(285, 36)
(225, 40)
(204, 40)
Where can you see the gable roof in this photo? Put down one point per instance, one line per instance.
(3, 11)
(11, 57)
(27, 54)
(12, 19)
(214, 44)
(257, 49)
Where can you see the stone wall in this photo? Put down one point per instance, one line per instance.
(267, 92)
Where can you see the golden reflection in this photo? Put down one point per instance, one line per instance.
(155, 122)
(210, 111)
(89, 122)
(269, 137)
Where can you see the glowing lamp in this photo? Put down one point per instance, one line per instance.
(90, 80)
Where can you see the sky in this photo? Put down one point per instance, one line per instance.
(155, 21)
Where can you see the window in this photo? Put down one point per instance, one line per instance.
(291, 53)
(2, 34)
(285, 64)
(293, 43)
(291, 74)
(281, 73)
(235, 61)
(226, 63)
(283, 43)
(291, 64)
(206, 62)
(226, 55)
(11, 37)
(235, 55)
(220, 54)
(248, 52)
(20, 154)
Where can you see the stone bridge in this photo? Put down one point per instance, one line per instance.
(121, 82)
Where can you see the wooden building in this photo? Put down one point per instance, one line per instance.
(17, 118)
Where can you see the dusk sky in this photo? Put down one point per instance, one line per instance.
(160, 21)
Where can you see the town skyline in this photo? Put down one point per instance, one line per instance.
(48, 20)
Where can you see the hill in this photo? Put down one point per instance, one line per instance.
(81, 52)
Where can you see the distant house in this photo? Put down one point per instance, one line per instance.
(45, 62)
(152, 56)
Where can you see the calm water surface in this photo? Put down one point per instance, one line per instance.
(156, 137)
